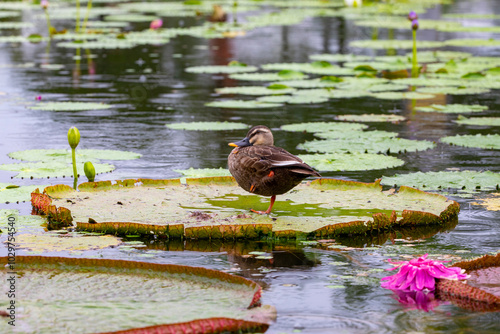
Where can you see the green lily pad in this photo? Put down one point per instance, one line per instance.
(472, 42)
(312, 83)
(356, 135)
(402, 95)
(282, 75)
(323, 127)
(194, 296)
(311, 68)
(221, 69)
(479, 121)
(350, 162)
(453, 108)
(207, 126)
(62, 155)
(104, 43)
(242, 104)
(453, 90)
(489, 141)
(203, 172)
(219, 208)
(12, 194)
(465, 180)
(52, 168)
(131, 18)
(364, 144)
(369, 118)
(254, 90)
(70, 106)
(15, 25)
(332, 93)
(340, 58)
(394, 44)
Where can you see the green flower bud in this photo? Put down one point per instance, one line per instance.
(89, 170)
(73, 137)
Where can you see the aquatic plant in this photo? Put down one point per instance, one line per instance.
(89, 170)
(89, 7)
(420, 274)
(45, 4)
(156, 24)
(413, 17)
(74, 140)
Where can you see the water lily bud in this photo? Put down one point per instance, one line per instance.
(44, 4)
(414, 24)
(89, 170)
(156, 24)
(412, 16)
(73, 137)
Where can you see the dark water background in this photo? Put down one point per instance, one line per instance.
(298, 280)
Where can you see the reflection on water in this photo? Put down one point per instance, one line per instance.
(316, 288)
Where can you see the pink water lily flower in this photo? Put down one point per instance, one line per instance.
(156, 24)
(420, 274)
(44, 4)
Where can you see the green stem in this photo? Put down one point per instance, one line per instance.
(77, 27)
(75, 174)
(89, 7)
(414, 69)
(49, 26)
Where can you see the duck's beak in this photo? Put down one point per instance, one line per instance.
(242, 143)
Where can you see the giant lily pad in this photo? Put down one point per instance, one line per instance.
(479, 121)
(366, 144)
(351, 162)
(10, 193)
(207, 126)
(255, 90)
(371, 118)
(218, 208)
(51, 169)
(242, 104)
(464, 180)
(70, 106)
(123, 295)
(453, 108)
(221, 69)
(323, 127)
(63, 155)
(480, 141)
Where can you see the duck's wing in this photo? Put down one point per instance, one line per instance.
(275, 157)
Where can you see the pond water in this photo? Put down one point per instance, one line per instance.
(314, 289)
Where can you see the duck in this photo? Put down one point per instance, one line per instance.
(261, 168)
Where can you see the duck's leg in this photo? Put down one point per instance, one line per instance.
(268, 211)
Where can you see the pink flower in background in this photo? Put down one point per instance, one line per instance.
(44, 4)
(420, 274)
(38, 98)
(156, 24)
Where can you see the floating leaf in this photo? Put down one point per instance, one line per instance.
(402, 95)
(71, 242)
(489, 141)
(464, 180)
(242, 104)
(131, 18)
(368, 118)
(195, 297)
(309, 68)
(339, 57)
(351, 162)
(453, 90)
(364, 144)
(203, 172)
(17, 194)
(479, 121)
(394, 44)
(472, 42)
(356, 135)
(323, 127)
(213, 207)
(254, 90)
(70, 106)
(207, 126)
(221, 69)
(63, 155)
(453, 108)
(52, 168)
(490, 202)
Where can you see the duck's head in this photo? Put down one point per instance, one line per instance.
(258, 135)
